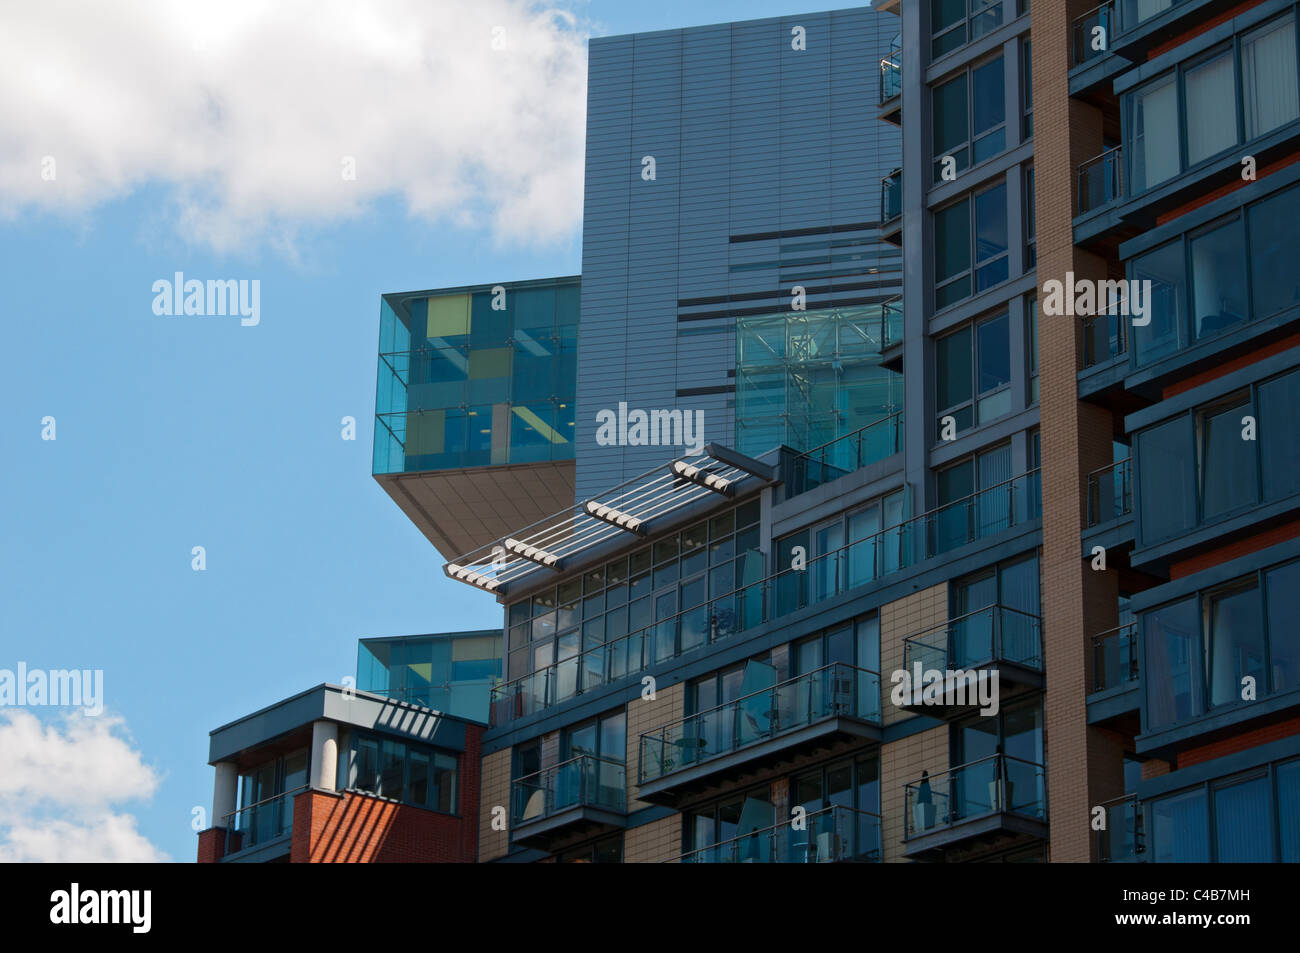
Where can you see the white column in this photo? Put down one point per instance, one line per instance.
(225, 789)
(324, 755)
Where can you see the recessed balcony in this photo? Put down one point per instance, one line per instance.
(584, 796)
(833, 835)
(835, 703)
(996, 797)
(891, 208)
(891, 88)
(1113, 699)
(1122, 840)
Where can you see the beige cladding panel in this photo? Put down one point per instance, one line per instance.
(908, 616)
(655, 842)
(644, 715)
(494, 792)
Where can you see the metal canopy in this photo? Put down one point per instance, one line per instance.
(629, 510)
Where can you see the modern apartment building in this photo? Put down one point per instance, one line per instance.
(982, 553)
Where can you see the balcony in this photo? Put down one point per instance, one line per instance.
(1113, 699)
(1101, 180)
(891, 337)
(845, 455)
(583, 796)
(996, 640)
(1091, 34)
(891, 88)
(891, 208)
(837, 702)
(1110, 492)
(1122, 840)
(993, 510)
(265, 824)
(994, 797)
(833, 835)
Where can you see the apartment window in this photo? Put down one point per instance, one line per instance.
(412, 774)
(1163, 138)
(1165, 267)
(970, 117)
(1199, 648)
(730, 830)
(1027, 84)
(1268, 77)
(961, 519)
(979, 224)
(1210, 88)
(265, 798)
(1275, 282)
(1279, 448)
(843, 553)
(1031, 340)
(667, 598)
(1225, 465)
(1179, 832)
(1246, 818)
(973, 373)
(1153, 112)
(1235, 644)
(954, 23)
(1218, 278)
(1031, 233)
(974, 602)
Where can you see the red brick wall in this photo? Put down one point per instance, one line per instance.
(1236, 364)
(1243, 547)
(1241, 742)
(357, 828)
(1200, 28)
(212, 844)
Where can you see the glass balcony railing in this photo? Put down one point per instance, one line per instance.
(1122, 839)
(891, 76)
(1105, 337)
(837, 690)
(584, 781)
(1101, 179)
(891, 322)
(1110, 492)
(1115, 657)
(835, 834)
(859, 563)
(992, 634)
(261, 821)
(992, 785)
(891, 196)
(845, 455)
(1092, 33)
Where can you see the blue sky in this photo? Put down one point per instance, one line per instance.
(175, 432)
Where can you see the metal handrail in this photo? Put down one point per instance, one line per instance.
(774, 830)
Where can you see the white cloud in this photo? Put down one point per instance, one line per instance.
(62, 786)
(244, 112)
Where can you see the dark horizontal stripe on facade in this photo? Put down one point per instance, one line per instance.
(799, 232)
(702, 391)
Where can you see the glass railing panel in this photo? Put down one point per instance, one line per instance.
(1092, 33)
(1123, 838)
(582, 781)
(891, 76)
(1101, 180)
(995, 784)
(1110, 492)
(1115, 657)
